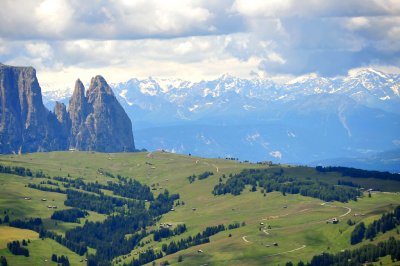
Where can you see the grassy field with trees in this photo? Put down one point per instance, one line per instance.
(144, 200)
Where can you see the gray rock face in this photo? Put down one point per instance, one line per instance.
(78, 110)
(25, 124)
(62, 116)
(99, 122)
(94, 122)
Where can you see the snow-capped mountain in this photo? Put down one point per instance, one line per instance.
(305, 119)
(367, 87)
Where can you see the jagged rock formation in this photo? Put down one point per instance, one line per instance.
(78, 110)
(97, 118)
(93, 122)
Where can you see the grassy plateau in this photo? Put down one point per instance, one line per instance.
(276, 229)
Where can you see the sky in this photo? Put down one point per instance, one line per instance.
(197, 39)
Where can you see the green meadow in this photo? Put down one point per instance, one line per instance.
(276, 229)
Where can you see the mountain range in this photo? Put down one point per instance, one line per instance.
(307, 119)
(94, 121)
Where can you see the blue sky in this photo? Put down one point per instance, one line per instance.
(194, 39)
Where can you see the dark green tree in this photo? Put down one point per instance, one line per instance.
(358, 234)
(3, 261)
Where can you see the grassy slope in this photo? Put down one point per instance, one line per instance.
(301, 223)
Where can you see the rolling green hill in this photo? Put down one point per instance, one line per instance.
(274, 228)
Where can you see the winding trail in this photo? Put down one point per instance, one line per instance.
(245, 240)
(304, 210)
(348, 211)
(293, 250)
(216, 167)
(343, 207)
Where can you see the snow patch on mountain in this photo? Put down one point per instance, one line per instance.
(149, 88)
(123, 95)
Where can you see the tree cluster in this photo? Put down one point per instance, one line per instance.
(47, 188)
(166, 232)
(201, 176)
(347, 183)
(387, 222)
(360, 256)
(99, 203)
(34, 224)
(3, 261)
(148, 256)
(358, 173)
(70, 215)
(278, 182)
(190, 241)
(78, 248)
(16, 248)
(358, 234)
(62, 260)
(120, 232)
(163, 203)
(20, 171)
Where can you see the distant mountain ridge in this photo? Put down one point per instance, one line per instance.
(190, 100)
(384, 161)
(307, 119)
(95, 121)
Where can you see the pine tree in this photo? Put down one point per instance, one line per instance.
(3, 261)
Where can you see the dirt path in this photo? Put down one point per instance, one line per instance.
(293, 250)
(348, 211)
(343, 207)
(245, 240)
(216, 167)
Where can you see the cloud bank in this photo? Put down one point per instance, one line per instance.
(197, 39)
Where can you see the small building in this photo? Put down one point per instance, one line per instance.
(333, 220)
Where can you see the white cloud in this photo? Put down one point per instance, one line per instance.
(39, 49)
(276, 58)
(53, 16)
(268, 8)
(357, 23)
(198, 39)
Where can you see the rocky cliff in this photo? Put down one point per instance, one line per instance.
(95, 121)
(98, 120)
